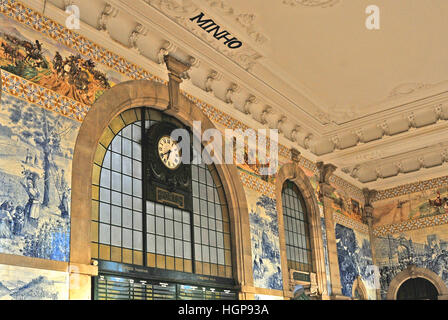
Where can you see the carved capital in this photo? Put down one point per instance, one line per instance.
(369, 195)
(295, 155)
(325, 171)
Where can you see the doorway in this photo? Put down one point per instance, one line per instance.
(417, 289)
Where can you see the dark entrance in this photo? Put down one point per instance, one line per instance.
(417, 289)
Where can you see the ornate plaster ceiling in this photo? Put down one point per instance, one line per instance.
(372, 102)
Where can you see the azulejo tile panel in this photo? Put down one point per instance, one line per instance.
(350, 223)
(425, 248)
(19, 283)
(355, 259)
(254, 183)
(265, 243)
(413, 224)
(35, 178)
(47, 99)
(412, 187)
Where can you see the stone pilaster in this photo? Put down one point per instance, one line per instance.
(176, 68)
(368, 219)
(325, 171)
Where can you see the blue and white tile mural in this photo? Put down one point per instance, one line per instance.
(18, 283)
(265, 241)
(355, 259)
(424, 248)
(36, 150)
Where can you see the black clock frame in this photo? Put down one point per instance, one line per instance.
(164, 185)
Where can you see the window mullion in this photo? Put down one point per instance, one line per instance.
(143, 168)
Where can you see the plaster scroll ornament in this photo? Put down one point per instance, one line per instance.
(247, 22)
(336, 141)
(209, 81)
(444, 155)
(177, 9)
(221, 5)
(411, 119)
(249, 101)
(408, 88)
(311, 3)
(108, 11)
(399, 166)
(354, 172)
(307, 140)
(139, 30)
(167, 48)
(230, 91)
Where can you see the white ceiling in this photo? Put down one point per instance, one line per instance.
(330, 56)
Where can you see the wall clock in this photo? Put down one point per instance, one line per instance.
(168, 179)
(169, 152)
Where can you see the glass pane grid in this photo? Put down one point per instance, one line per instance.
(120, 198)
(298, 249)
(176, 240)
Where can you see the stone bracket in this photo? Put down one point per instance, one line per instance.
(176, 68)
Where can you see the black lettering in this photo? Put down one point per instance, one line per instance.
(210, 26)
(234, 44)
(201, 22)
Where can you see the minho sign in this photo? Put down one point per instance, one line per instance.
(210, 26)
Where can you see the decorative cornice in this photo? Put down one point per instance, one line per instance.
(245, 56)
(311, 3)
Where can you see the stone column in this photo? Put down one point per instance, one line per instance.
(176, 68)
(368, 219)
(324, 172)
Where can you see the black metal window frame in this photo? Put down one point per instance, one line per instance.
(208, 231)
(296, 229)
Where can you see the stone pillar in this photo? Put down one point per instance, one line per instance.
(176, 68)
(368, 219)
(324, 172)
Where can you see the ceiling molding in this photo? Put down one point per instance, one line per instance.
(312, 3)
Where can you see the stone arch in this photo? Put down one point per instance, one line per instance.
(413, 272)
(293, 172)
(137, 93)
(359, 284)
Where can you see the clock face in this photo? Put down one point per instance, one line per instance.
(169, 152)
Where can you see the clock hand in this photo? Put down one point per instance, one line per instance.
(169, 151)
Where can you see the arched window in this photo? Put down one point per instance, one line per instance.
(130, 229)
(296, 225)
